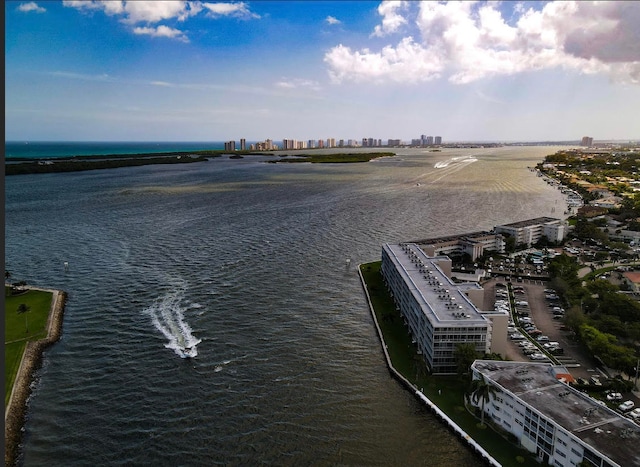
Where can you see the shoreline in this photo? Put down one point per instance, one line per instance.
(472, 444)
(16, 410)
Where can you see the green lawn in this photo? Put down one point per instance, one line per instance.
(445, 391)
(21, 328)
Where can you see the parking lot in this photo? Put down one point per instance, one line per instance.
(539, 311)
(544, 325)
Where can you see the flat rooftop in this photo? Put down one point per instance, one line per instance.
(530, 222)
(433, 290)
(538, 385)
(452, 238)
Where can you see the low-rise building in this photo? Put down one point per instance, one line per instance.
(563, 426)
(530, 231)
(474, 244)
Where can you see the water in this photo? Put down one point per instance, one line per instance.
(246, 261)
(55, 149)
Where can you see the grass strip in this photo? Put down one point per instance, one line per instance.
(21, 328)
(447, 392)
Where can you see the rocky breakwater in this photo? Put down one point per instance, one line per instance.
(15, 412)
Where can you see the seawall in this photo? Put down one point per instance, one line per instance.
(433, 407)
(15, 412)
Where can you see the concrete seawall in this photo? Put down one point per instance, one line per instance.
(16, 409)
(433, 407)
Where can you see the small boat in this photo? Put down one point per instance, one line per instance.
(187, 352)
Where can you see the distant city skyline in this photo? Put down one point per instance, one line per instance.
(216, 71)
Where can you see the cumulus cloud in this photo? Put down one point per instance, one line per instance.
(467, 41)
(237, 10)
(332, 20)
(392, 20)
(31, 6)
(151, 12)
(161, 31)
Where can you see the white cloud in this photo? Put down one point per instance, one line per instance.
(155, 11)
(161, 31)
(467, 41)
(298, 83)
(332, 20)
(391, 19)
(31, 6)
(408, 62)
(238, 10)
(109, 7)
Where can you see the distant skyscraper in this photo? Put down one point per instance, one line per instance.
(230, 146)
(243, 144)
(437, 140)
(429, 140)
(587, 141)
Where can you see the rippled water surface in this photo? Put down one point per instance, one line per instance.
(246, 261)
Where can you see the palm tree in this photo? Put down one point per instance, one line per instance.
(481, 391)
(24, 308)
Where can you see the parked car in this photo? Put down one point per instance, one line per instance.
(626, 406)
(635, 414)
(614, 396)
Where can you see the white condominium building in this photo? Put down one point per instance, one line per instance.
(440, 314)
(530, 231)
(562, 425)
(474, 244)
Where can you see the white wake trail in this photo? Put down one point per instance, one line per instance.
(167, 315)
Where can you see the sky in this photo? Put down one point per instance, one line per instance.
(216, 71)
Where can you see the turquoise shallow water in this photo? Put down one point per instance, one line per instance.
(248, 260)
(55, 149)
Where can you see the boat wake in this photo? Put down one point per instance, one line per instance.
(455, 161)
(167, 315)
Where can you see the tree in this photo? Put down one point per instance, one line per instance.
(24, 309)
(464, 355)
(481, 391)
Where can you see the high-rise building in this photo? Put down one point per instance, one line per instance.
(587, 141)
(243, 144)
(437, 140)
(230, 146)
(429, 140)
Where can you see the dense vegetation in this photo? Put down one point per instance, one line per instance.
(605, 320)
(81, 163)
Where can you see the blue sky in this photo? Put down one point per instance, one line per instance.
(209, 71)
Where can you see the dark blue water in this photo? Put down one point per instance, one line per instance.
(247, 261)
(55, 149)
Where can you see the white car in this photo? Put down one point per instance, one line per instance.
(626, 406)
(635, 414)
(614, 396)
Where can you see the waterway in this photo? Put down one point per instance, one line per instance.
(246, 261)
